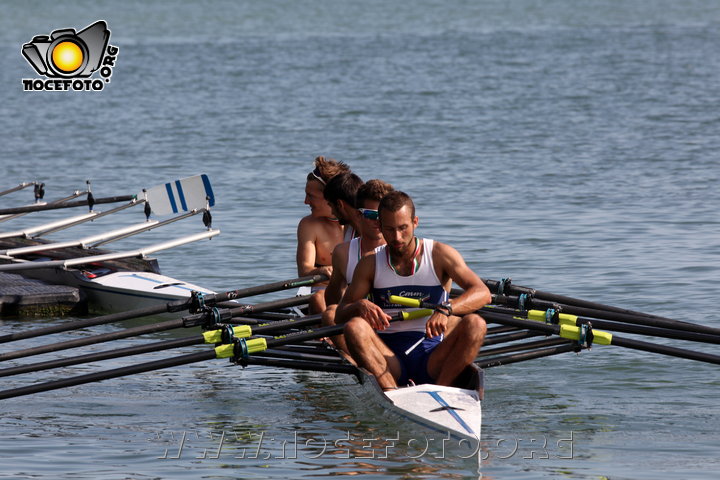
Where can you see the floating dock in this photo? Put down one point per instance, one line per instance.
(25, 297)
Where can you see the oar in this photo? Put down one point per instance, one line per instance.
(172, 197)
(564, 319)
(521, 357)
(55, 206)
(517, 347)
(602, 338)
(75, 194)
(138, 253)
(18, 187)
(505, 286)
(210, 336)
(205, 318)
(644, 319)
(239, 351)
(584, 334)
(170, 307)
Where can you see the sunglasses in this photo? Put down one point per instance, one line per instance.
(316, 173)
(369, 213)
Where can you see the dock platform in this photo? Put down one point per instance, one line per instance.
(25, 297)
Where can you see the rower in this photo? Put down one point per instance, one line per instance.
(432, 349)
(346, 255)
(341, 193)
(319, 232)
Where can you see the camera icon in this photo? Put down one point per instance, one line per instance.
(67, 53)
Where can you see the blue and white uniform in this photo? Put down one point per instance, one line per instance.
(423, 284)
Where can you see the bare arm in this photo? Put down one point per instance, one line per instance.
(354, 303)
(306, 255)
(338, 282)
(450, 266)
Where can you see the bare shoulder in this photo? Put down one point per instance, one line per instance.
(308, 226)
(340, 254)
(366, 265)
(341, 249)
(444, 253)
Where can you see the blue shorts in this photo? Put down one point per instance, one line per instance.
(414, 365)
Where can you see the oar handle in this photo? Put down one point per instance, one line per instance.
(407, 302)
(242, 347)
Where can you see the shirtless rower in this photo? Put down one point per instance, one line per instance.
(346, 255)
(419, 268)
(319, 232)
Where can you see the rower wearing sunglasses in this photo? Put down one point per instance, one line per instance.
(319, 232)
(346, 255)
(432, 349)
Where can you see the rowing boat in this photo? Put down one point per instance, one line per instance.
(112, 281)
(455, 411)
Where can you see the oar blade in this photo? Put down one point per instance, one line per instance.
(180, 195)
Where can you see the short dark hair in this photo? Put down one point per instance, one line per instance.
(372, 190)
(394, 201)
(343, 187)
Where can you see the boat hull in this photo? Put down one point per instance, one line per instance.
(452, 411)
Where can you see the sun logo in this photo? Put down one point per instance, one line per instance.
(67, 57)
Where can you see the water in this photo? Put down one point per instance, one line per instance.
(568, 145)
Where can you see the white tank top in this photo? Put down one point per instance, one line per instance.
(423, 284)
(354, 255)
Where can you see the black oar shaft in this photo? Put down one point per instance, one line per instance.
(285, 354)
(666, 350)
(272, 305)
(105, 355)
(510, 337)
(521, 357)
(92, 322)
(81, 342)
(108, 374)
(494, 285)
(317, 366)
(147, 348)
(53, 205)
(267, 288)
(518, 347)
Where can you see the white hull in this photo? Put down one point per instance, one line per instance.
(451, 411)
(122, 291)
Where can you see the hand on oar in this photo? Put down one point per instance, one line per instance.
(239, 350)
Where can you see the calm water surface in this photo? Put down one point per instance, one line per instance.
(569, 145)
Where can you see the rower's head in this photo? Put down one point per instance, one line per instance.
(325, 169)
(367, 200)
(398, 222)
(340, 193)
